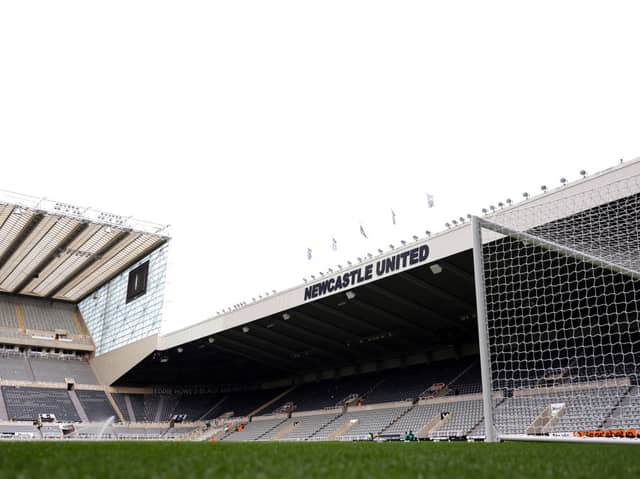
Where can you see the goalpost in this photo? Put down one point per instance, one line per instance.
(558, 300)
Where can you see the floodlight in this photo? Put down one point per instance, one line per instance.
(583, 173)
(544, 188)
(350, 294)
(526, 195)
(415, 238)
(286, 316)
(563, 180)
(245, 329)
(435, 268)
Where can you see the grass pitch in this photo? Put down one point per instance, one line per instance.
(86, 460)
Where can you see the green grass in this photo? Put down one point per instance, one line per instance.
(181, 460)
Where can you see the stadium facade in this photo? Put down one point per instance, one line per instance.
(434, 335)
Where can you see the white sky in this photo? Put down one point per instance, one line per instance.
(258, 129)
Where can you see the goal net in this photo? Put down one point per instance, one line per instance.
(561, 289)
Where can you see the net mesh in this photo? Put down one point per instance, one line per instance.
(563, 321)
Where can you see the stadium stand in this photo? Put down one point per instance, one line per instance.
(121, 402)
(373, 421)
(197, 406)
(49, 318)
(14, 366)
(415, 419)
(304, 427)
(144, 406)
(243, 403)
(8, 315)
(48, 368)
(468, 382)
(254, 430)
(627, 414)
(462, 417)
(26, 403)
(96, 405)
(328, 393)
(408, 384)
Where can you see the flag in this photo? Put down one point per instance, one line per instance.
(334, 244)
(429, 200)
(393, 216)
(362, 232)
(309, 253)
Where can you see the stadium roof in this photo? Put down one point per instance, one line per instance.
(61, 251)
(418, 309)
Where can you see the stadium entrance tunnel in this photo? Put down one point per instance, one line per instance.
(418, 316)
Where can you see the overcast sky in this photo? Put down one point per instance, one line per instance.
(260, 129)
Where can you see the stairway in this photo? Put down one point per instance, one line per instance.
(76, 403)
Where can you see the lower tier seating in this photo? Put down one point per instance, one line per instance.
(26, 403)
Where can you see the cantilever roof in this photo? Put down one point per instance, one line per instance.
(60, 251)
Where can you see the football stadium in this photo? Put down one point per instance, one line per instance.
(518, 329)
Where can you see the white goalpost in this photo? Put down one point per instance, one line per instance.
(558, 300)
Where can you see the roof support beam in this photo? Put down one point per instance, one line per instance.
(418, 307)
(278, 335)
(435, 290)
(20, 238)
(422, 331)
(255, 354)
(352, 352)
(51, 256)
(378, 330)
(268, 346)
(465, 275)
(87, 264)
(348, 318)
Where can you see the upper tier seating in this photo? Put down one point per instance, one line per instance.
(195, 406)
(245, 402)
(8, 315)
(327, 393)
(13, 366)
(53, 370)
(407, 384)
(48, 318)
(467, 383)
